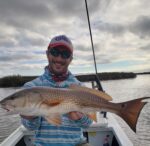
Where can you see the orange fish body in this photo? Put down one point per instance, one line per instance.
(52, 102)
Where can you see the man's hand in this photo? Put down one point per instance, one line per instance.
(75, 115)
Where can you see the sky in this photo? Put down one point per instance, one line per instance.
(120, 31)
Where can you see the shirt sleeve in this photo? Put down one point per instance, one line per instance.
(33, 83)
(32, 124)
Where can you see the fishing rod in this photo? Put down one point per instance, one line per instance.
(96, 74)
(95, 65)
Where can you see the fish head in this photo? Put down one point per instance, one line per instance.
(12, 102)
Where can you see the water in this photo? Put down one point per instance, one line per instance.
(123, 90)
(120, 90)
(8, 123)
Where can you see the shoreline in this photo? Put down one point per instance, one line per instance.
(18, 80)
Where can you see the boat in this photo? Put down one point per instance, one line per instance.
(95, 134)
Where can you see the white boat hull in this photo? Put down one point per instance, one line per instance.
(96, 134)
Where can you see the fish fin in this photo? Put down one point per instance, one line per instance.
(130, 111)
(92, 91)
(92, 116)
(55, 120)
(51, 102)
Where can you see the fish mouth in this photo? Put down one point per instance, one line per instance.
(7, 108)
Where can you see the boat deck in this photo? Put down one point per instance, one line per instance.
(95, 134)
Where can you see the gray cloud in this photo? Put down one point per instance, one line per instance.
(74, 8)
(22, 39)
(146, 48)
(29, 40)
(19, 10)
(141, 26)
(26, 14)
(38, 17)
(9, 57)
(83, 48)
(7, 42)
(119, 31)
(113, 28)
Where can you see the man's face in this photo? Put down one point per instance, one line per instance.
(59, 59)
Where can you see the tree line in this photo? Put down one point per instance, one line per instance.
(18, 80)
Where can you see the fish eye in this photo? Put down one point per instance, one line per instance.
(13, 96)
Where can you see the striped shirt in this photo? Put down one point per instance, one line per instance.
(69, 133)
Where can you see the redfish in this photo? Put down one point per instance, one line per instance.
(53, 102)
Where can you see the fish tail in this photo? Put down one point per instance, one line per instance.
(130, 111)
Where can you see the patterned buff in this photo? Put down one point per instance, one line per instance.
(58, 78)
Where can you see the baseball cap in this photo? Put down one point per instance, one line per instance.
(61, 40)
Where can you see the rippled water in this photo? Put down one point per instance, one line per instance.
(120, 90)
(123, 90)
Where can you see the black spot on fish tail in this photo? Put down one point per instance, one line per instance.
(130, 111)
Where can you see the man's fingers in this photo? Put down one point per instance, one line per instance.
(75, 115)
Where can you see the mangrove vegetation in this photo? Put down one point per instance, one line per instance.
(18, 80)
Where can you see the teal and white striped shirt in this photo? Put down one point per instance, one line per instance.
(69, 133)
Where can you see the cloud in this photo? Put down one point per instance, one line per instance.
(113, 28)
(146, 48)
(19, 13)
(141, 26)
(15, 57)
(120, 33)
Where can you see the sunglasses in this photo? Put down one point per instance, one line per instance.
(65, 54)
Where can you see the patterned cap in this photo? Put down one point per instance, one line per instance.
(61, 40)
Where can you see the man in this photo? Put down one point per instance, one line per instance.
(57, 75)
